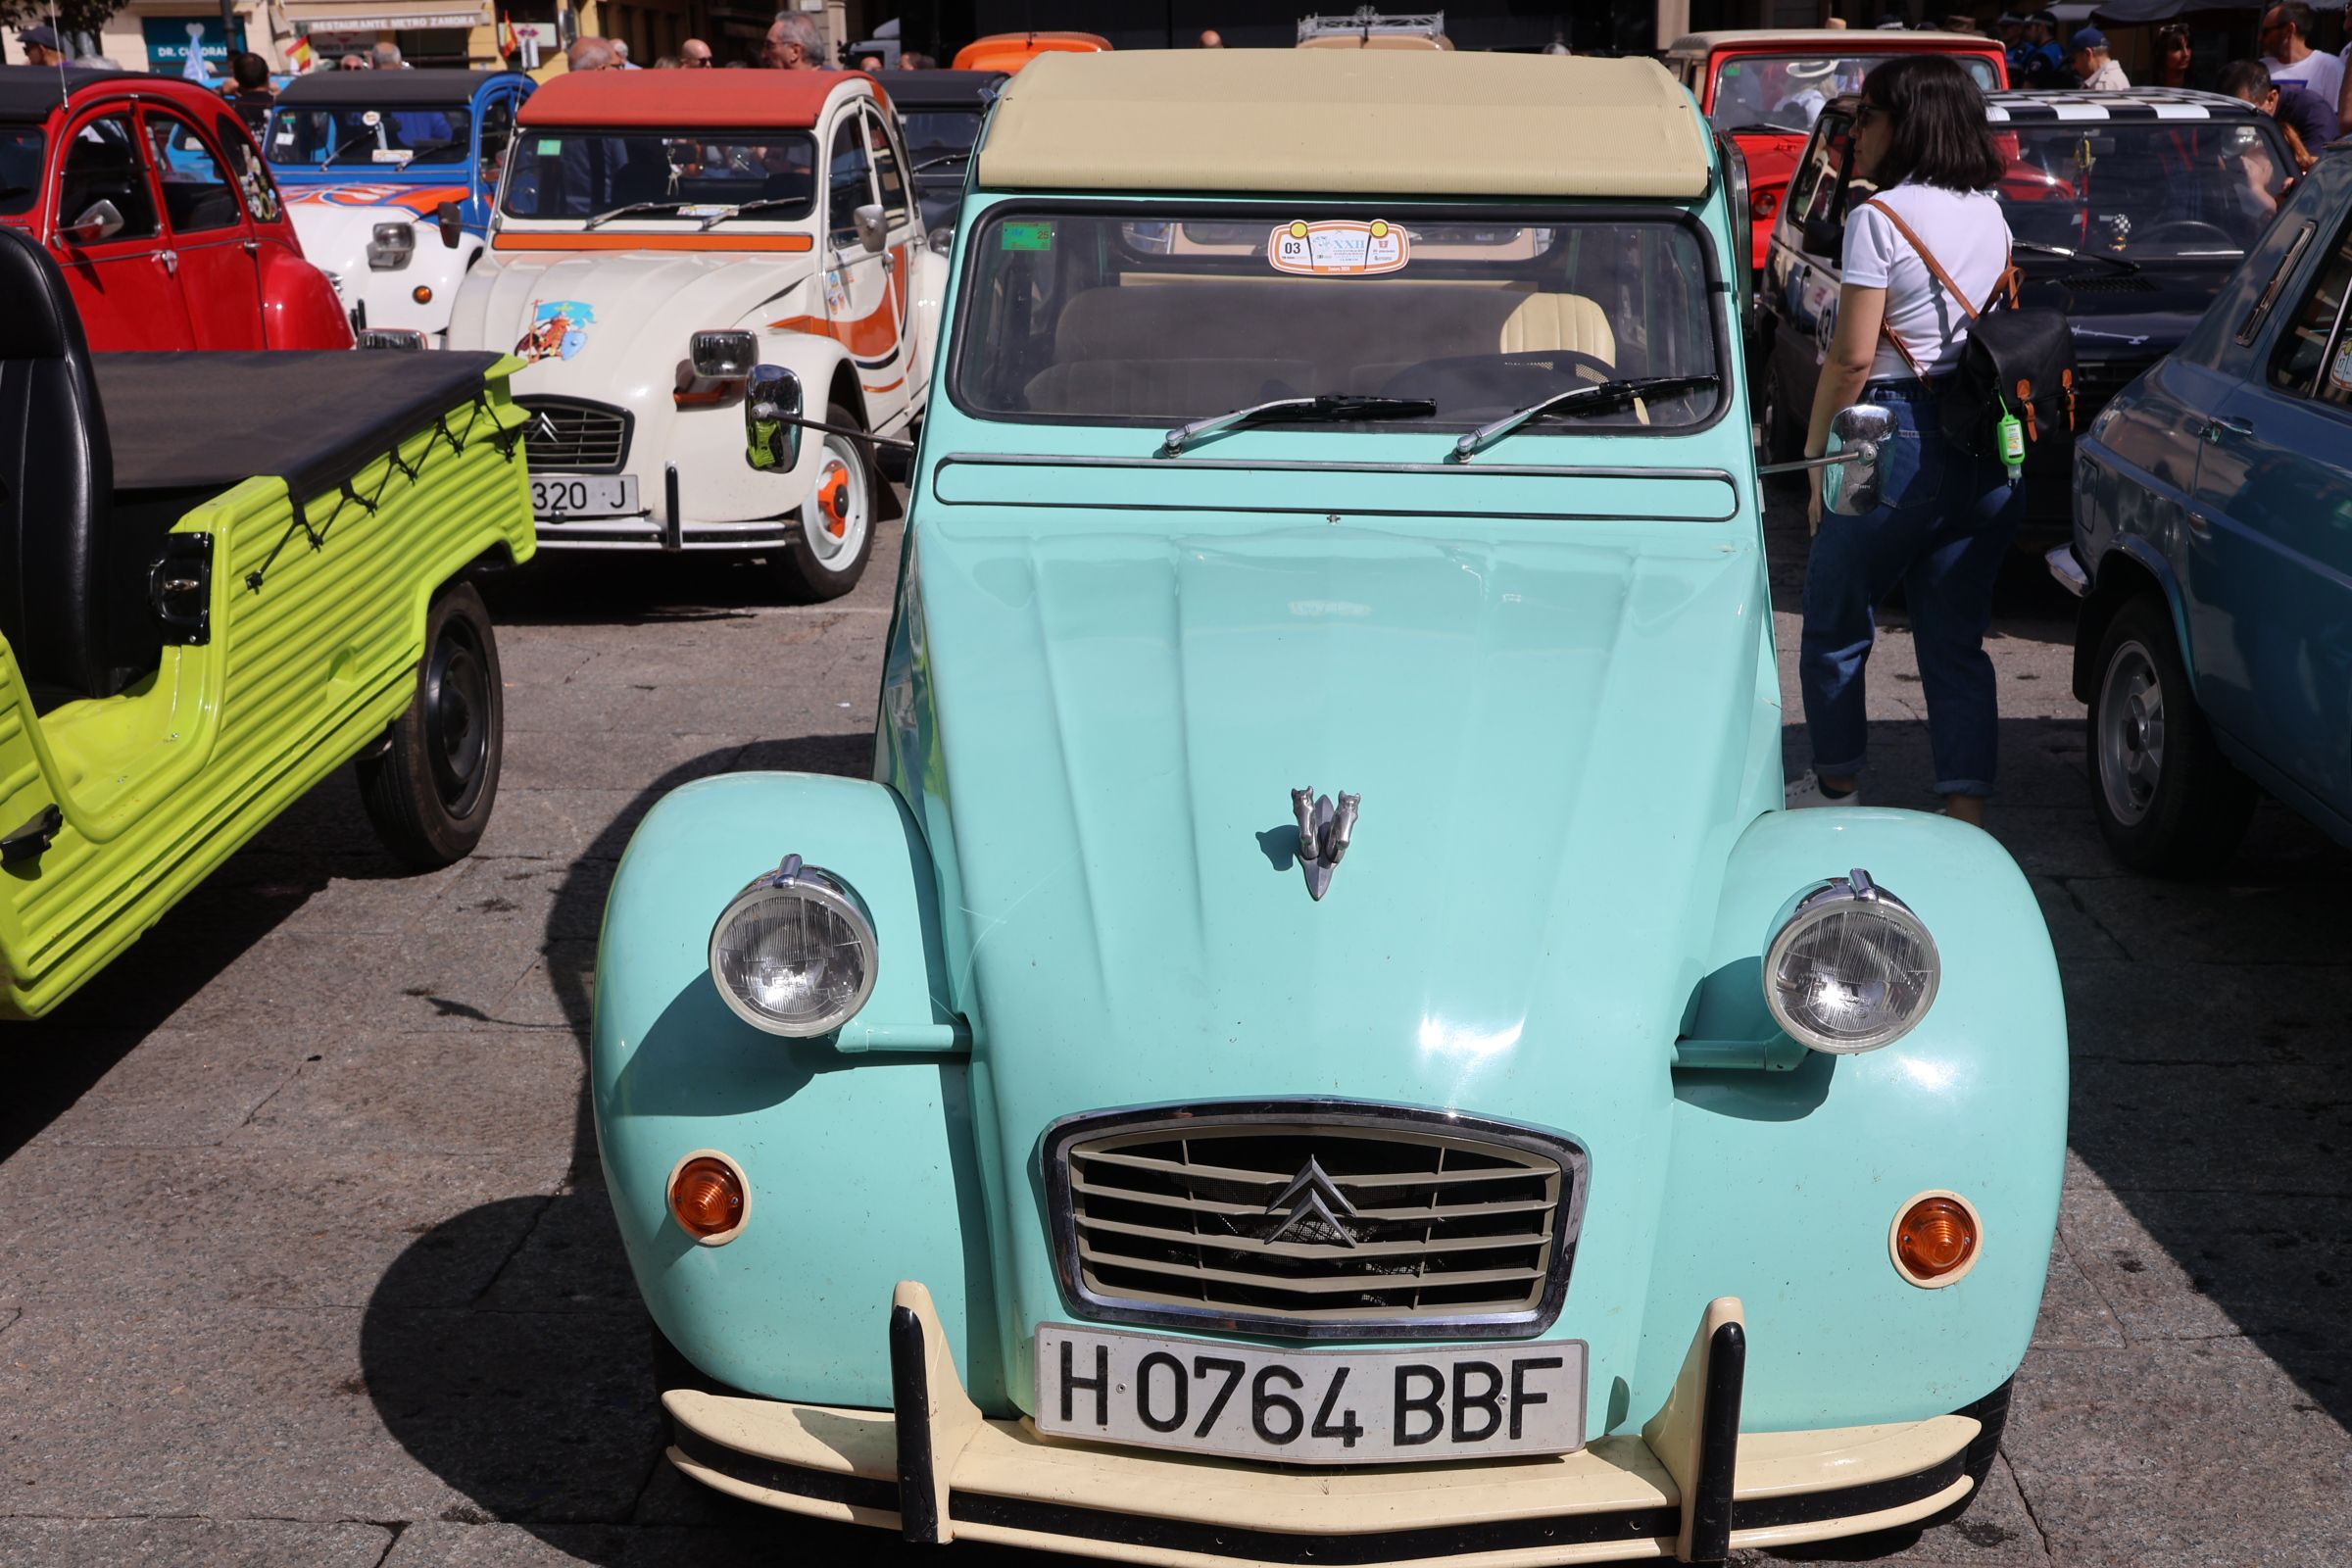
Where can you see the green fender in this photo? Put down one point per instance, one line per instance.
(1786, 1182)
(860, 1163)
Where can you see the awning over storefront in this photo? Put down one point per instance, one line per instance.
(2132, 13)
(361, 16)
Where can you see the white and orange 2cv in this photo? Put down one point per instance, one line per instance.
(656, 238)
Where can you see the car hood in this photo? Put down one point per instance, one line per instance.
(625, 315)
(1555, 740)
(2116, 316)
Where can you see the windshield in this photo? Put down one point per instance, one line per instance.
(2159, 189)
(1788, 92)
(22, 148)
(577, 174)
(309, 137)
(1166, 316)
(939, 132)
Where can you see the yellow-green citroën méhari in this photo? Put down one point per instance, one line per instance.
(227, 575)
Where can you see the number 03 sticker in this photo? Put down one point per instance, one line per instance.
(1338, 248)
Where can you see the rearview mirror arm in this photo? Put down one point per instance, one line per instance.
(850, 430)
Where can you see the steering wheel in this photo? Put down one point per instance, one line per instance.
(1501, 381)
(2174, 229)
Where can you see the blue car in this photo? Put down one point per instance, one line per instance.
(390, 176)
(2213, 548)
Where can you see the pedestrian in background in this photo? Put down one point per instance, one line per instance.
(353, 62)
(694, 55)
(2287, 52)
(589, 54)
(1921, 258)
(912, 59)
(620, 47)
(2092, 66)
(2174, 55)
(385, 55)
(793, 43)
(252, 95)
(42, 46)
(1212, 39)
(2306, 124)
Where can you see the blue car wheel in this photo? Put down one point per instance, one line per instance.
(2168, 801)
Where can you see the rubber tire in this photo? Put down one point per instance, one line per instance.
(799, 578)
(1783, 441)
(419, 827)
(2201, 802)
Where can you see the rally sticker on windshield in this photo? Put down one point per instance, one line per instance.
(1337, 247)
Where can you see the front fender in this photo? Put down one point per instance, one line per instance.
(1785, 1184)
(862, 1167)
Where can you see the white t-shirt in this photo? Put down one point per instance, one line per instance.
(1971, 241)
(2320, 73)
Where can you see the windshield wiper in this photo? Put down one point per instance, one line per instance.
(964, 157)
(1592, 398)
(355, 139)
(633, 207)
(741, 208)
(2060, 250)
(1330, 407)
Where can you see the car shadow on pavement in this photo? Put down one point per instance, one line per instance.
(321, 837)
(537, 1404)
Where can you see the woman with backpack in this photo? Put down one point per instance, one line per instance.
(1922, 258)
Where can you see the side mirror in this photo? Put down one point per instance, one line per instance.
(873, 227)
(452, 220)
(1858, 434)
(770, 397)
(100, 221)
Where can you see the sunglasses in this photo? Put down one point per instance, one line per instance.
(1866, 112)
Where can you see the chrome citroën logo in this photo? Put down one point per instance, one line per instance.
(1311, 1206)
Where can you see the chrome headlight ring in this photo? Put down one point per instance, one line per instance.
(1851, 968)
(795, 954)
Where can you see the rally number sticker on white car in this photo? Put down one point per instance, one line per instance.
(1415, 1406)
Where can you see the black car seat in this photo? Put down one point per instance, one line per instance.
(56, 479)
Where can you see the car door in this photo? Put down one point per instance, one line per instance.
(2267, 557)
(124, 283)
(494, 132)
(1804, 268)
(856, 282)
(898, 259)
(206, 226)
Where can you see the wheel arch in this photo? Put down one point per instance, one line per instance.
(2124, 574)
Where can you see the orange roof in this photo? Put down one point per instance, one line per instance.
(1010, 51)
(736, 100)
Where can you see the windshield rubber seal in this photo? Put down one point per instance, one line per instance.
(1599, 214)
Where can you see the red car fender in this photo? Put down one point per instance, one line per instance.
(299, 308)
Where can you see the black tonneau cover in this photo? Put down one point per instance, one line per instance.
(186, 421)
(936, 89)
(375, 88)
(33, 92)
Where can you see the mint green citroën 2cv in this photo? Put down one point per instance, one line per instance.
(1318, 1042)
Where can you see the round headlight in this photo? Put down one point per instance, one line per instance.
(793, 953)
(1851, 969)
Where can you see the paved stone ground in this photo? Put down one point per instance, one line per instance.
(305, 1259)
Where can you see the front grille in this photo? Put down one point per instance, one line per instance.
(1319, 1218)
(575, 437)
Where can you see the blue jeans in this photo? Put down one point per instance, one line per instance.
(1943, 523)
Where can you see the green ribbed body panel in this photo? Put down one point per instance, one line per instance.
(158, 784)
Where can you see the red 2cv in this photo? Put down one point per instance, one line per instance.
(152, 197)
(1765, 86)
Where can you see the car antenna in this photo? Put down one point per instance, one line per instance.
(64, 92)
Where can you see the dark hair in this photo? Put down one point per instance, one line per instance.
(1937, 131)
(2169, 33)
(252, 71)
(2296, 14)
(2249, 79)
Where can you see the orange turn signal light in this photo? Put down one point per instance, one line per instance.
(1936, 1239)
(709, 1199)
(422, 294)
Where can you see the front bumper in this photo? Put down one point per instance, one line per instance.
(1689, 1488)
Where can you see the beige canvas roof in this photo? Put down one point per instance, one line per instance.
(1346, 121)
(1848, 42)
